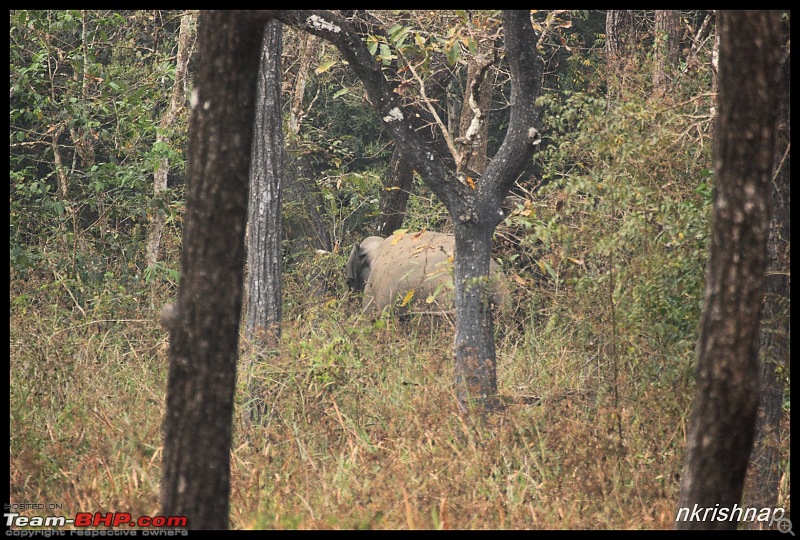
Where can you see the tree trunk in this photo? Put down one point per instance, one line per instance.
(473, 203)
(722, 424)
(176, 103)
(764, 476)
(204, 324)
(475, 373)
(619, 36)
(394, 197)
(665, 49)
(473, 127)
(263, 327)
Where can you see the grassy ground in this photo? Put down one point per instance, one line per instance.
(360, 430)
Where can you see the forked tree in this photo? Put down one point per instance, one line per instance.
(472, 200)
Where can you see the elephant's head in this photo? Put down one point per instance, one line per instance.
(359, 265)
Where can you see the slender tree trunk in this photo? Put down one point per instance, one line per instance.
(765, 474)
(204, 324)
(176, 103)
(304, 211)
(296, 113)
(473, 128)
(263, 328)
(714, 73)
(723, 417)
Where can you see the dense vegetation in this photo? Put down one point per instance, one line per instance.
(606, 246)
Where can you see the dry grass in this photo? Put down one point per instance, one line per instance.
(360, 430)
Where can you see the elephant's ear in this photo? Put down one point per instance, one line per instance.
(364, 258)
(353, 263)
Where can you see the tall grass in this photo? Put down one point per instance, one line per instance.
(360, 430)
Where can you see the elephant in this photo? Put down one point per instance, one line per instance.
(389, 269)
(360, 262)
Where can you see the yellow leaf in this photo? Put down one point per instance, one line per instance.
(470, 182)
(325, 66)
(398, 235)
(407, 298)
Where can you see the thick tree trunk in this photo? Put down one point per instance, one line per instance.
(621, 42)
(765, 474)
(619, 36)
(722, 424)
(204, 324)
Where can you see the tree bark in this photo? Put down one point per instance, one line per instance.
(619, 36)
(394, 197)
(665, 49)
(722, 423)
(161, 173)
(473, 203)
(473, 127)
(765, 474)
(264, 209)
(204, 324)
(263, 325)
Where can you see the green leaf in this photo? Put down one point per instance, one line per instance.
(386, 52)
(372, 44)
(454, 53)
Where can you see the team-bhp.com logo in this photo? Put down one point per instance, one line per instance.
(97, 519)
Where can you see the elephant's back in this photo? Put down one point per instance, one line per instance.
(418, 261)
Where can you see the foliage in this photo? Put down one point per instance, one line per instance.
(87, 91)
(632, 184)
